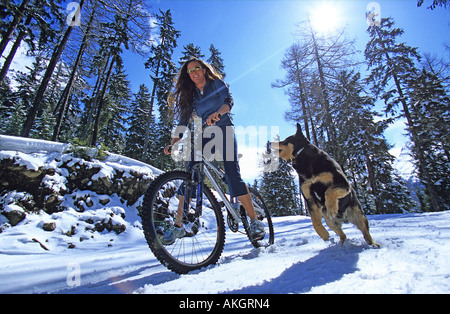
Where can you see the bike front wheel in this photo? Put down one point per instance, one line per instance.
(204, 237)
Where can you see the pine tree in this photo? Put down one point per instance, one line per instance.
(115, 39)
(364, 149)
(393, 64)
(216, 60)
(17, 102)
(162, 73)
(65, 95)
(296, 84)
(165, 125)
(441, 3)
(8, 29)
(39, 28)
(311, 66)
(390, 62)
(189, 52)
(113, 133)
(431, 117)
(279, 190)
(136, 132)
(46, 79)
(6, 103)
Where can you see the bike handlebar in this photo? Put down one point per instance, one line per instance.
(203, 127)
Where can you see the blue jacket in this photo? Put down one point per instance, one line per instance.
(215, 94)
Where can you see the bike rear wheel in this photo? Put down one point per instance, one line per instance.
(205, 235)
(263, 215)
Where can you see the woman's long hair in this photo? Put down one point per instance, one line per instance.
(181, 99)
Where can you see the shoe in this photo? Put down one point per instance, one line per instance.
(171, 234)
(257, 232)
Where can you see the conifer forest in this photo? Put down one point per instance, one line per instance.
(77, 91)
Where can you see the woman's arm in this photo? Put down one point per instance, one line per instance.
(223, 91)
(213, 118)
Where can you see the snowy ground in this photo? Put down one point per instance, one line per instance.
(413, 258)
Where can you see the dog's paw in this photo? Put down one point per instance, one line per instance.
(375, 245)
(325, 235)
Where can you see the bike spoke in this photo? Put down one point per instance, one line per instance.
(196, 246)
(204, 229)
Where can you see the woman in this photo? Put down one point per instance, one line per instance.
(201, 90)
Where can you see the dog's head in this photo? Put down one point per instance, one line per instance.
(291, 144)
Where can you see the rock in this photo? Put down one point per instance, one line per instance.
(49, 226)
(110, 226)
(15, 216)
(18, 177)
(31, 174)
(52, 203)
(71, 232)
(104, 201)
(31, 185)
(119, 228)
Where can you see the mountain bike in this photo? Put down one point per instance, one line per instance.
(203, 217)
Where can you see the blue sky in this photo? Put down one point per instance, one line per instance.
(253, 36)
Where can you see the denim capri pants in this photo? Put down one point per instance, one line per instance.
(227, 150)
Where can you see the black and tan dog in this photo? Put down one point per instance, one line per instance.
(324, 187)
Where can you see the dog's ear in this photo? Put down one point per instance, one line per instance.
(300, 136)
(299, 130)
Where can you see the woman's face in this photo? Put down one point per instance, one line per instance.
(196, 73)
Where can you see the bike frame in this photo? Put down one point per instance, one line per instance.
(208, 168)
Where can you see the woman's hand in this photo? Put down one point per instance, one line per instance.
(213, 118)
(168, 148)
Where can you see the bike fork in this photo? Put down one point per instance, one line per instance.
(195, 184)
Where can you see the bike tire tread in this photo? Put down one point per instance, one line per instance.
(150, 232)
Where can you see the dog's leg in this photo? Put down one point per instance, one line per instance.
(332, 196)
(361, 222)
(315, 210)
(335, 225)
(316, 218)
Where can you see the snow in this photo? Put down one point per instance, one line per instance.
(12, 207)
(26, 149)
(403, 162)
(413, 258)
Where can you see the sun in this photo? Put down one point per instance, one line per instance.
(325, 17)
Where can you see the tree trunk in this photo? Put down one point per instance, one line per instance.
(326, 102)
(302, 100)
(65, 95)
(46, 79)
(150, 110)
(13, 51)
(100, 104)
(11, 29)
(415, 138)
